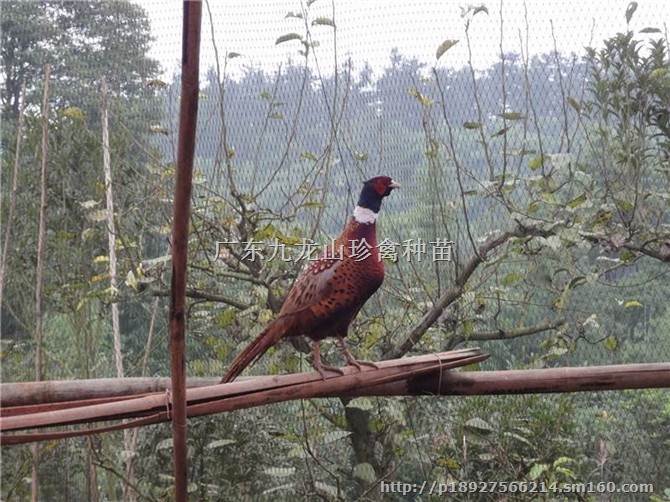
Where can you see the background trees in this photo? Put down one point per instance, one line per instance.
(548, 174)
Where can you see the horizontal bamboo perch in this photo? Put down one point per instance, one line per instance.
(155, 407)
(570, 379)
(409, 376)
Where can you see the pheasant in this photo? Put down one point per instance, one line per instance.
(327, 296)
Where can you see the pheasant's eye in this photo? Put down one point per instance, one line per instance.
(381, 187)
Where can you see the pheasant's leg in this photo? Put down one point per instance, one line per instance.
(351, 360)
(319, 366)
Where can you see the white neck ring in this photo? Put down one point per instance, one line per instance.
(364, 215)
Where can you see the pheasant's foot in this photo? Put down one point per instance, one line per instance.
(351, 360)
(319, 366)
(357, 364)
(322, 369)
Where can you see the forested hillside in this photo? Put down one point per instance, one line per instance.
(532, 222)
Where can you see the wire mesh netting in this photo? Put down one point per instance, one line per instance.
(531, 141)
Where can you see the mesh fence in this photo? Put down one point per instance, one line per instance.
(531, 141)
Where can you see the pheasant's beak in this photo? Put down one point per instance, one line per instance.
(394, 184)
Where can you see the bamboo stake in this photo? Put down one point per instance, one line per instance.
(12, 198)
(246, 393)
(410, 376)
(188, 117)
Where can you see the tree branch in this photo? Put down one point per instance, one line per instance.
(464, 274)
(202, 295)
(508, 334)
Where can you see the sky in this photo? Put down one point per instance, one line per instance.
(367, 30)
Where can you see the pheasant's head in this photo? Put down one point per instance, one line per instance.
(370, 201)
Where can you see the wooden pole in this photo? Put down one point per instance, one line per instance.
(188, 117)
(71, 393)
(463, 383)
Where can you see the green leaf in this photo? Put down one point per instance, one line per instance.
(468, 328)
(630, 10)
(424, 100)
(519, 438)
(233, 55)
(563, 460)
(314, 204)
(650, 30)
(73, 112)
(444, 47)
(472, 125)
(362, 403)
(287, 38)
(219, 443)
(365, 472)
(577, 201)
(632, 304)
(611, 343)
(511, 278)
(448, 462)
(293, 14)
(309, 156)
(512, 116)
(478, 425)
(574, 103)
(624, 205)
(164, 444)
(225, 318)
(335, 436)
(659, 73)
(533, 207)
(479, 9)
(330, 490)
(298, 452)
(535, 163)
(280, 472)
(323, 21)
(157, 83)
(537, 470)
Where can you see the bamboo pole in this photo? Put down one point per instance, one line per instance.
(7, 238)
(240, 394)
(188, 117)
(25, 397)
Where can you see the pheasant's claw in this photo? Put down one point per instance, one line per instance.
(358, 364)
(351, 360)
(319, 366)
(322, 369)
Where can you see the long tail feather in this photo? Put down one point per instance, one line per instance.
(259, 346)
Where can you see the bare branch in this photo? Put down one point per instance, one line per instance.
(203, 295)
(508, 334)
(464, 274)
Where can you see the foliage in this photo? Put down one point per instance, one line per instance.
(548, 174)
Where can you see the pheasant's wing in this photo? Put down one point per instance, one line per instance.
(313, 286)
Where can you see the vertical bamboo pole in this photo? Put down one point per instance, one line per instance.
(188, 116)
(39, 265)
(12, 196)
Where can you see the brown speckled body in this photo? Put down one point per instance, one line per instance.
(328, 295)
